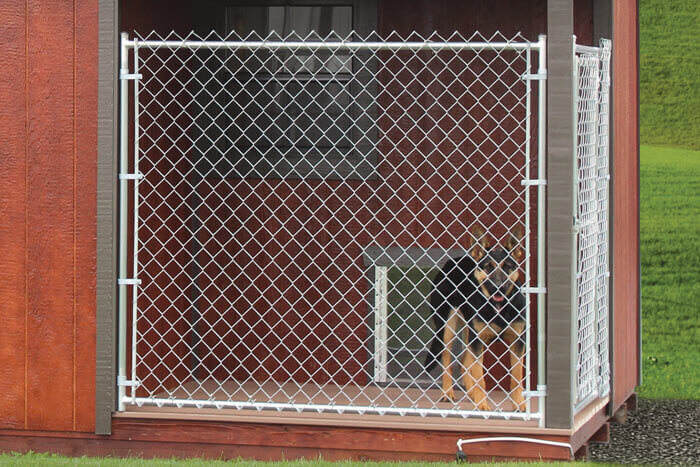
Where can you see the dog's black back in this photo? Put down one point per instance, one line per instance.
(455, 287)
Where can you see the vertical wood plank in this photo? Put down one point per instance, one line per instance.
(50, 211)
(603, 29)
(12, 212)
(626, 202)
(560, 153)
(106, 218)
(86, 57)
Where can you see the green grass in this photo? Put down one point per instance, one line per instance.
(669, 72)
(34, 459)
(670, 256)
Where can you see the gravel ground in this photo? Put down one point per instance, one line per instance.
(660, 432)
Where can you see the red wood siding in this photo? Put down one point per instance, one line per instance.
(13, 121)
(626, 219)
(85, 186)
(47, 222)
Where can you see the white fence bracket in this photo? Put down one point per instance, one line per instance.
(129, 281)
(542, 75)
(125, 75)
(540, 392)
(122, 381)
(535, 182)
(138, 176)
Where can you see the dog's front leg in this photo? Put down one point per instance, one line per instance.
(516, 375)
(448, 341)
(516, 347)
(474, 373)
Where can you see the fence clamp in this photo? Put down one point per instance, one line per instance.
(138, 176)
(576, 225)
(534, 76)
(533, 289)
(122, 381)
(540, 392)
(129, 281)
(124, 74)
(537, 181)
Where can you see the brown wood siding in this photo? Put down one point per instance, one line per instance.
(12, 214)
(50, 223)
(626, 219)
(47, 222)
(85, 201)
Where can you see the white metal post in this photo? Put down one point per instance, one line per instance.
(123, 207)
(575, 230)
(604, 99)
(134, 289)
(527, 237)
(541, 225)
(528, 138)
(595, 235)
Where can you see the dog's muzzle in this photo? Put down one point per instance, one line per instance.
(498, 300)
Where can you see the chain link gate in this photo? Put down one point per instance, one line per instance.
(591, 242)
(293, 199)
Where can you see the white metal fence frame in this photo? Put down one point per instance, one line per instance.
(591, 223)
(134, 74)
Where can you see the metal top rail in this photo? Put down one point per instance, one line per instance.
(586, 49)
(334, 45)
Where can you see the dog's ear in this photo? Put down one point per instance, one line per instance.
(513, 243)
(480, 243)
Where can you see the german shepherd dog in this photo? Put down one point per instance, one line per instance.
(480, 288)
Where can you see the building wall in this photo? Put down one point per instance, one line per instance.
(48, 118)
(48, 121)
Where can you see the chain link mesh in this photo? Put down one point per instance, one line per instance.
(603, 269)
(299, 194)
(591, 223)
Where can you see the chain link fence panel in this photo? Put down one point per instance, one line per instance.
(294, 199)
(591, 242)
